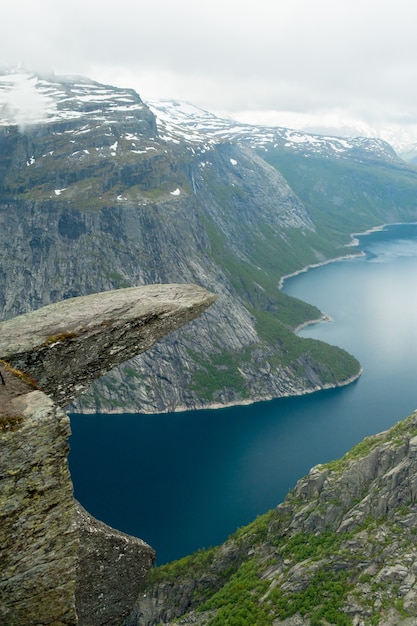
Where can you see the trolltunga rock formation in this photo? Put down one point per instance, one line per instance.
(65, 346)
(58, 565)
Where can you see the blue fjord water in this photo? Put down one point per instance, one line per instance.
(182, 481)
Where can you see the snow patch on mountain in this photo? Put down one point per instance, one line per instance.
(27, 99)
(179, 121)
(402, 137)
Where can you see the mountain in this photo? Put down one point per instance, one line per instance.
(402, 136)
(340, 550)
(182, 120)
(98, 192)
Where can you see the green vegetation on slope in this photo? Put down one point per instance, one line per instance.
(274, 568)
(342, 196)
(256, 280)
(345, 196)
(220, 371)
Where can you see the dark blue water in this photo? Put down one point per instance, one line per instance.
(183, 481)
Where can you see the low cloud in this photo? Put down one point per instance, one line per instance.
(20, 101)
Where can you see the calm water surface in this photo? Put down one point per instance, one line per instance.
(182, 481)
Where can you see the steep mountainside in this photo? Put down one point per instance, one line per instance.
(97, 193)
(339, 550)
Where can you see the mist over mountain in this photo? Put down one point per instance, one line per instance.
(402, 136)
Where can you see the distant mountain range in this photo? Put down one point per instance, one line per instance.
(401, 136)
(28, 98)
(181, 120)
(100, 191)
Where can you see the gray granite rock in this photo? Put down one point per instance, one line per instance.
(111, 567)
(38, 535)
(65, 346)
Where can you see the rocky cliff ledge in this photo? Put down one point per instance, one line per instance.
(341, 550)
(56, 560)
(65, 346)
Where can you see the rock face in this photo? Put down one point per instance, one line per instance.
(38, 534)
(57, 561)
(340, 549)
(110, 567)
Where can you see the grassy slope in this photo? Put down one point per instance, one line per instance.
(348, 196)
(256, 280)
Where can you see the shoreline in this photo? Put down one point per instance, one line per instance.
(323, 318)
(354, 242)
(218, 405)
(312, 266)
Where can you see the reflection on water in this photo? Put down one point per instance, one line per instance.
(182, 481)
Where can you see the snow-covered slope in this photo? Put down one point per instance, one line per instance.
(401, 136)
(27, 98)
(183, 121)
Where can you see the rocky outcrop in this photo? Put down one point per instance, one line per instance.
(65, 346)
(110, 567)
(57, 562)
(340, 549)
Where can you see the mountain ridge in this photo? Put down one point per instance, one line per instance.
(177, 119)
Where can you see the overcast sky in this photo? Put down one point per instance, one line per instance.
(230, 56)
